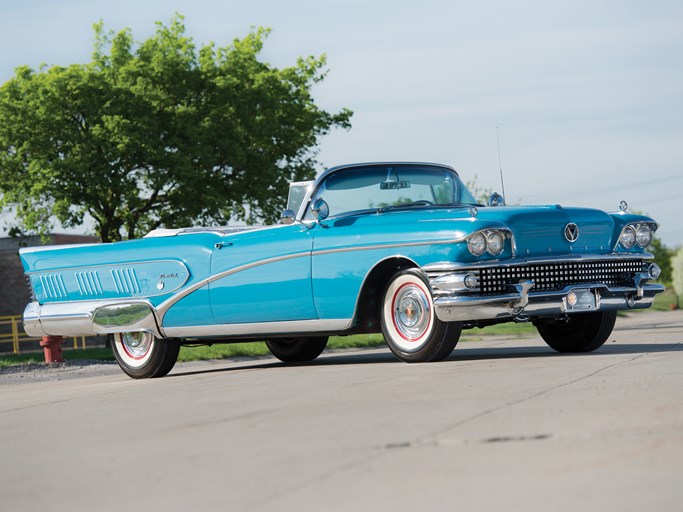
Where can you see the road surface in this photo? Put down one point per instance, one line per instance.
(501, 425)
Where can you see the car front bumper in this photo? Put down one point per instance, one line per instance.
(525, 304)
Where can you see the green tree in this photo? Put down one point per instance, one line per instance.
(677, 274)
(159, 133)
(662, 258)
(479, 193)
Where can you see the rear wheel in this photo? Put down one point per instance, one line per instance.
(409, 325)
(582, 332)
(141, 355)
(298, 349)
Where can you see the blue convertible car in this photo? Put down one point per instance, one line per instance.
(398, 248)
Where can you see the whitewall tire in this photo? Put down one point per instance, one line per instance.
(141, 355)
(409, 325)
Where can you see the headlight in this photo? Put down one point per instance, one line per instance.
(628, 237)
(643, 235)
(495, 243)
(477, 244)
(487, 240)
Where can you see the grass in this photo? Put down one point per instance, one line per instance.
(259, 349)
(510, 330)
(664, 301)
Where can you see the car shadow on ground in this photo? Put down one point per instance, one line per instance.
(465, 354)
(476, 354)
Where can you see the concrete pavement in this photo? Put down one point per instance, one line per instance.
(501, 425)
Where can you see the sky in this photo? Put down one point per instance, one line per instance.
(586, 96)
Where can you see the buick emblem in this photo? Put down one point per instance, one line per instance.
(571, 232)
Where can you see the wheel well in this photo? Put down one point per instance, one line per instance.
(369, 300)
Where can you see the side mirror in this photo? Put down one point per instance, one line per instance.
(287, 217)
(496, 200)
(320, 209)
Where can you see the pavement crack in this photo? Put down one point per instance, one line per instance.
(219, 421)
(431, 439)
(331, 473)
(393, 446)
(507, 439)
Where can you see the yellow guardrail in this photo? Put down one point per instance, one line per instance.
(11, 331)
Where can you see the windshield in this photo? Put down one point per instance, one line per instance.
(392, 186)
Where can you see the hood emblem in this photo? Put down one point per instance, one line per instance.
(571, 232)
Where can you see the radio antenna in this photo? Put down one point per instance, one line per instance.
(500, 164)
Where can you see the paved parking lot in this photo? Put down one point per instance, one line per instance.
(501, 425)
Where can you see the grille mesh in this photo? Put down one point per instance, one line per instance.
(555, 276)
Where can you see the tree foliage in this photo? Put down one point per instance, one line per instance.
(677, 273)
(662, 258)
(159, 133)
(478, 192)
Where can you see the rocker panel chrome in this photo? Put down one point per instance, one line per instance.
(255, 330)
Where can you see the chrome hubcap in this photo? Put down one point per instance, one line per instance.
(411, 312)
(137, 344)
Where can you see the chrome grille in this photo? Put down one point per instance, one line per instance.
(555, 276)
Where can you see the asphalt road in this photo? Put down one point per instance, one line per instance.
(501, 425)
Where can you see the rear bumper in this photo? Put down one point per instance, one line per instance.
(89, 318)
(525, 304)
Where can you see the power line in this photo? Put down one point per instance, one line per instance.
(660, 199)
(590, 193)
(667, 230)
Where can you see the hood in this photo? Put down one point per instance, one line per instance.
(537, 230)
(540, 230)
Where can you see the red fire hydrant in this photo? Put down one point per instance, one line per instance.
(52, 345)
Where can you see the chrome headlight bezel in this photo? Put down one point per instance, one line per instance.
(643, 235)
(637, 234)
(477, 244)
(491, 241)
(495, 243)
(627, 239)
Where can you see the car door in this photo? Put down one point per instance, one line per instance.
(263, 276)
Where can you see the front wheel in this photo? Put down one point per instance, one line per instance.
(583, 332)
(297, 350)
(141, 355)
(410, 327)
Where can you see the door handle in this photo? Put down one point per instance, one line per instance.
(220, 245)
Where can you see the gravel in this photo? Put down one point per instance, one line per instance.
(49, 372)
